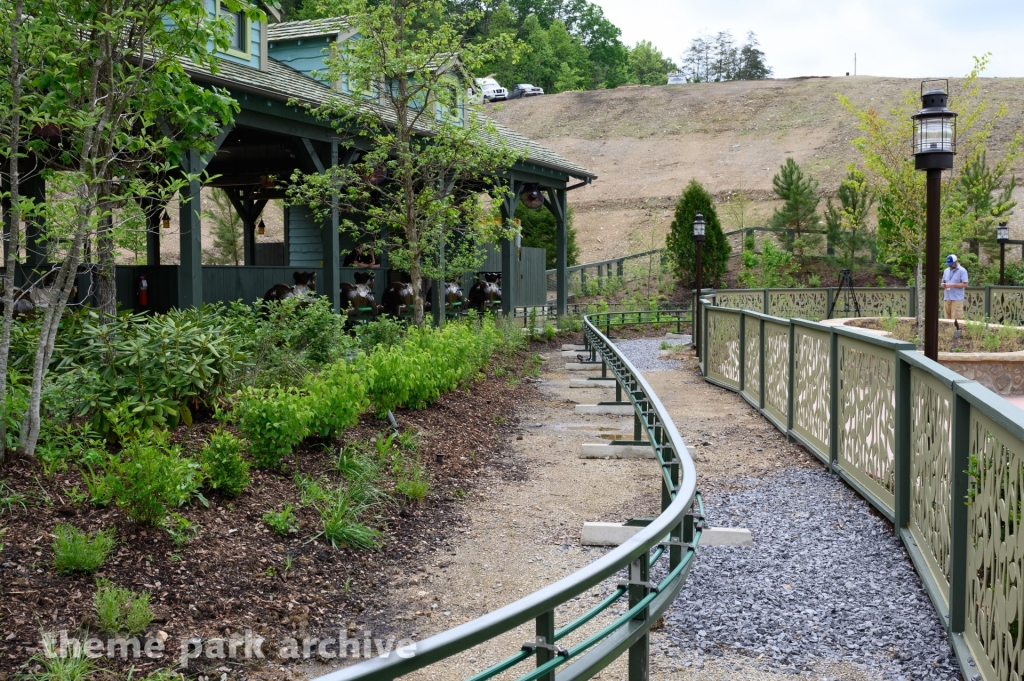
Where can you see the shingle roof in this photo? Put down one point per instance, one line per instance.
(310, 28)
(283, 83)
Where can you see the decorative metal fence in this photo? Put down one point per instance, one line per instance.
(1003, 304)
(940, 456)
(674, 535)
(601, 271)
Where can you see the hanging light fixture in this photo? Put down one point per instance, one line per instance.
(531, 196)
(166, 220)
(261, 229)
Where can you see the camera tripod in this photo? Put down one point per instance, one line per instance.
(849, 296)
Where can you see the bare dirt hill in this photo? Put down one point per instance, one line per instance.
(645, 143)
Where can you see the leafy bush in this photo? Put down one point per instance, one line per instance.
(274, 420)
(222, 464)
(121, 610)
(282, 522)
(679, 244)
(77, 551)
(150, 477)
(384, 332)
(162, 366)
(337, 396)
(773, 268)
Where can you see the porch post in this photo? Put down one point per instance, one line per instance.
(509, 252)
(153, 210)
(190, 269)
(332, 248)
(34, 187)
(558, 205)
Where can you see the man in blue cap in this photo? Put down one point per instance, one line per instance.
(954, 281)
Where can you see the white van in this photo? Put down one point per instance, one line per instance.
(492, 91)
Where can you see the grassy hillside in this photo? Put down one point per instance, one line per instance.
(645, 143)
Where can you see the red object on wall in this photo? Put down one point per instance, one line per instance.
(143, 290)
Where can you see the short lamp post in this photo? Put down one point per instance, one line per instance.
(934, 145)
(1002, 236)
(698, 241)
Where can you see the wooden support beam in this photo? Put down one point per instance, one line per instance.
(311, 155)
(153, 210)
(509, 252)
(190, 269)
(330, 286)
(218, 142)
(557, 203)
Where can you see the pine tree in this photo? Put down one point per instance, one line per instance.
(539, 231)
(847, 223)
(798, 216)
(752, 65)
(680, 246)
(226, 230)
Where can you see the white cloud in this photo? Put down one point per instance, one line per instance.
(815, 38)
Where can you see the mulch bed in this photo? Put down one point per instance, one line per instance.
(971, 338)
(233, 576)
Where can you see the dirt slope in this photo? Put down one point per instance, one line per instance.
(645, 143)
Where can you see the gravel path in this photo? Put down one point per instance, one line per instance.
(645, 354)
(826, 591)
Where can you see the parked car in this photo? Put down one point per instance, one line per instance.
(492, 90)
(525, 90)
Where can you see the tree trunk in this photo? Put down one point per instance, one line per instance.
(417, 286)
(106, 286)
(14, 217)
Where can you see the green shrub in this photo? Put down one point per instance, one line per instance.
(355, 465)
(313, 490)
(162, 366)
(150, 477)
(274, 420)
(384, 332)
(679, 244)
(77, 551)
(222, 464)
(337, 396)
(121, 610)
(773, 268)
(181, 529)
(282, 522)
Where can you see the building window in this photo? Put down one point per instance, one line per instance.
(239, 42)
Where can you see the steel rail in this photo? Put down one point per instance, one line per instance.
(676, 532)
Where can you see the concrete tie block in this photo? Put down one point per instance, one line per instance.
(605, 409)
(601, 450)
(579, 366)
(685, 337)
(573, 354)
(616, 534)
(571, 346)
(587, 383)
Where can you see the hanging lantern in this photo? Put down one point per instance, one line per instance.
(531, 196)
(166, 220)
(267, 181)
(261, 228)
(934, 141)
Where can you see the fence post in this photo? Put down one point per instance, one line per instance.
(833, 433)
(988, 303)
(618, 268)
(639, 652)
(790, 401)
(546, 631)
(766, 309)
(902, 429)
(828, 302)
(958, 513)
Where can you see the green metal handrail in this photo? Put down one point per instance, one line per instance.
(675, 532)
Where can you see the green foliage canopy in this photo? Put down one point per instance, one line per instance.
(539, 230)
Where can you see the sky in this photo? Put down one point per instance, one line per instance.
(902, 38)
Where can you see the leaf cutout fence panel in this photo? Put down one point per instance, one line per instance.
(752, 359)
(931, 460)
(776, 371)
(995, 550)
(723, 347)
(812, 388)
(867, 409)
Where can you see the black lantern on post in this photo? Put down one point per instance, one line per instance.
(934, 145)
(1002, 236)
(698, 241)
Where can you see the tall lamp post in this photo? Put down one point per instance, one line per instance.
(1002, 236)
(698, 241)
(934, 145)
